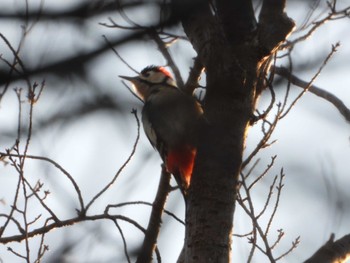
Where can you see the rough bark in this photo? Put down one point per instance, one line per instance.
(333, 251)
(224, 37)
(274, 25)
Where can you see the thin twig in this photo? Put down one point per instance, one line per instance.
(331, 53)
(341, 107)
(13, 207)
(278, 239)
(115, 25)
(269, 195)
(68, 222)
(48, 209)
(118, 55)
(42, 248)
(279, 191)
(124, 241)
(16, 253)
(295, 243)
(59, 167)
(134, 112)
(265, 138)
(18, 224)
(165, 52)
(332, 15)
(251, 169)
(256, 226)
(132, 92)
(290, 65)
(251, 216)
(15, 54)
(269, 166)
(144, 203)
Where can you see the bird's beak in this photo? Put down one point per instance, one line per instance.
(128, 78)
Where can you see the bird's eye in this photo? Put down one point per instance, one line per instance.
(146, 74)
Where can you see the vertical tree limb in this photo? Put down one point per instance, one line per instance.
(199, 27)
(194, 76)
(150, 241)
(274, 25)
(224, 37)
(237, 19)
(227, 110)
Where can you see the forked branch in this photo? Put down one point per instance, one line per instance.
(341, 107)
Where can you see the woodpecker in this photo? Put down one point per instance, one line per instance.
(170, 120)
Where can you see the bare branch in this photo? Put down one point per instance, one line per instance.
(13, 208)
(17, 59)
(149, 243)
(279, 191)
(194, 76)
(76, 63)
(269, 166)
(267, 135)
(18, 224)
(134, 112)
(64, 223)
(274, 25)
(295, 244)
(334, 14)
(338, 251)
(257, 229)
(43, 248)
(16, 253)
(144, 203)
(165, 52)
(267, 202)
(59, 167)
(124, 241)
(341, 107)
(82, 11)
(331, 53)
(48, 209)
(118, 55)
(132, 92)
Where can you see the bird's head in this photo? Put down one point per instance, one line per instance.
(150, 77)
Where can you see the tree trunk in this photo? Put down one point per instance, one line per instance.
(227, 47)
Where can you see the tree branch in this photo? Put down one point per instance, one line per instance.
(150, 241)
(194, 76)
(341, 107)
(63, 223)
(198, 25)
(274, 25)
(83, 11)
(70, 65)
(241, 28)
(59, 167)
(165, 52)
(77, 63)
(104, 189)
(338, 251)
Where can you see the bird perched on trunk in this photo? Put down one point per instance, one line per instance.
(170, 120)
